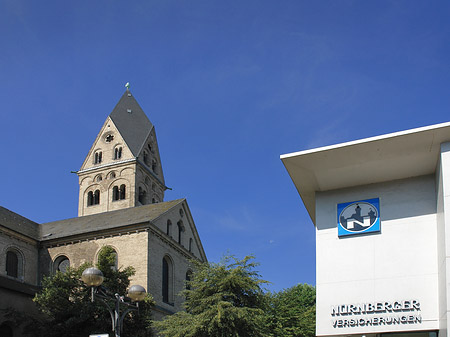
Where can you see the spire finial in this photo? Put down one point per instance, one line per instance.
(127, 85)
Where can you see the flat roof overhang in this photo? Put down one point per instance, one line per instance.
(377, 159)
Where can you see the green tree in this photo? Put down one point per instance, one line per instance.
(222, 300)
(292, 312)
(65, 303)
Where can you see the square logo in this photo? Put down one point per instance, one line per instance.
(359, 217)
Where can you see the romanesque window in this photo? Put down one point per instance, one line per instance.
(98, 157)
(122, 192)
(98, 178)
(145, 158)
(112, 175)
(142, 195)
(14, 263)
(108, 257)
(167, 280)
(180, 231)
(119, 193)
(90, 198)
(96, 199)
(109, 138)
(115, 195)
(61, 264)
(118, 153)
(188, 279)
(169, 228)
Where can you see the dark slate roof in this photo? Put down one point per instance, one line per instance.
(135, 126)
(18, 223)
(105, 221)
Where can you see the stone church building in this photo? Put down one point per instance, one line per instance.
(121, 205)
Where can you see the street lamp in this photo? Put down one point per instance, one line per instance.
(93, 277)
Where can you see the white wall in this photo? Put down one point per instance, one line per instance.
(400, 263)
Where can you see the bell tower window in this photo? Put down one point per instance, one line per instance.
(122, 192)
(142, 195)
(109, 138)
(90, 198)
(145, 158)
(118, 153)
(115, 193)
(98, 157)
(119, 193)
(96, 197)
(93, 198)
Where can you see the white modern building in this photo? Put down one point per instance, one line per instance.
(381, 209)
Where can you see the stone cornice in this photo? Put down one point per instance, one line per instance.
(100, 167)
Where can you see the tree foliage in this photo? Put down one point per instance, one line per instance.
(292, 312)
(66, 304)
(222, 300)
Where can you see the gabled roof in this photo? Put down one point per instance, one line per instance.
(105, 221)
(18, 223)
(134, 126)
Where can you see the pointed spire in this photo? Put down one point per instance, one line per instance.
(131, 121)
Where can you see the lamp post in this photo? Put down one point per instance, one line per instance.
(93, 278)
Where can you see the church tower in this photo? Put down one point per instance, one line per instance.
(123, 167)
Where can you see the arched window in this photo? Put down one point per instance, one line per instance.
(12, 264)
(115, 195)
(145, 158)
(154, 165)
(112, 175)
(169, 228)
(122, 192)
(180, 231)
(108, 257)
(142, 195)
(190, 244)
(61, 264)
(98, 178)
(167, 280)
(98, 157)
(90, 198)
(118, 152)
(188, 279)
(97, 197)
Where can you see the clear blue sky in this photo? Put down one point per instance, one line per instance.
(229, 85)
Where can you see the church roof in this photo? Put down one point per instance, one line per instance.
(18, 223)
(132, 122)
(105, 221)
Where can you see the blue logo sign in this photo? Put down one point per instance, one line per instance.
(358, 217)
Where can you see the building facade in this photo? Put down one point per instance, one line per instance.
(121, 205)
(381, 212)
